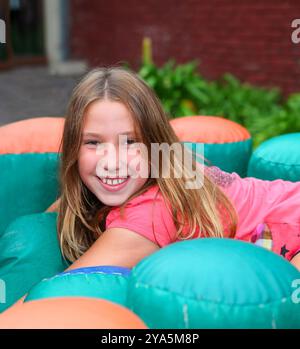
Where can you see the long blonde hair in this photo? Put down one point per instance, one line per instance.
(81, 218)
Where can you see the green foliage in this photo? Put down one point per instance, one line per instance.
(183, 91)
(180, 88)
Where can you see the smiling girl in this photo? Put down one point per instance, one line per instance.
(113, 212)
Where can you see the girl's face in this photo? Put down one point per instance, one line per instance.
(112, 167)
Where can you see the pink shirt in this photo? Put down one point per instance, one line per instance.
(268, 213)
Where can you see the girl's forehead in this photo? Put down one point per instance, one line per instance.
(106, 108)
(107, 112)
(108, 117)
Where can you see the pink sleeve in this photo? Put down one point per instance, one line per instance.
(257, 201)
(147, 215)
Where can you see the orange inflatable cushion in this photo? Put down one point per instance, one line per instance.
(69, 313)
(208, 129)
(37, 135)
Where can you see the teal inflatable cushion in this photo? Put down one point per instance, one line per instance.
(29, 252)
(230, 157)
(277, 158)
(215, 283)
(29, 184)
(103, 282)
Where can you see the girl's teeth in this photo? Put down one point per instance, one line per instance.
(113, 181)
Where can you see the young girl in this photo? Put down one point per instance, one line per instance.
(110, 214)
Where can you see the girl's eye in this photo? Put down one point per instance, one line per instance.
(131, 141)
(91, 142)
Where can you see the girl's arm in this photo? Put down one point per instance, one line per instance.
(118, 247)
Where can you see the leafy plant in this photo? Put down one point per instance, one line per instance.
(183, 91)
(179, 88)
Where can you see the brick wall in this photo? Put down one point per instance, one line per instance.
(248, 38)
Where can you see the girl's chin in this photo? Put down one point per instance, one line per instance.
(113, 198)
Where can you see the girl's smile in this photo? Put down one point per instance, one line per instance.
(112, 184)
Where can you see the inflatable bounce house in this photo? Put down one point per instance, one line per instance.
(200, 283)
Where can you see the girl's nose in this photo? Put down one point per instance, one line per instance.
(111, 161)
